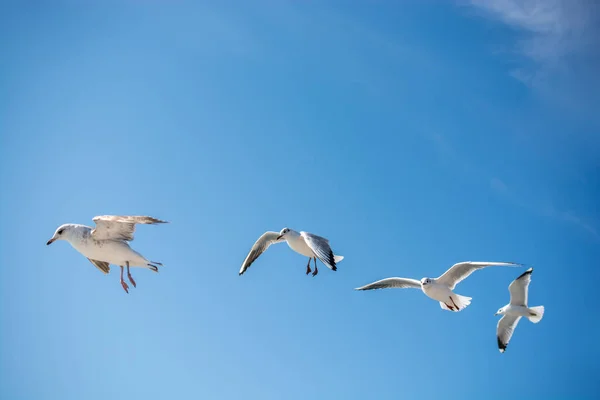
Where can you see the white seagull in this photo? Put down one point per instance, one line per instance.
(440, 289)
(107, 244)
(516, 309)
(307, 244)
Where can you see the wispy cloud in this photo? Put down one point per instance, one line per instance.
(552, 33)
(567, 216)
(536, 204)
(548, 210)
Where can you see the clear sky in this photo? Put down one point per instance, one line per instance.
(413, 135)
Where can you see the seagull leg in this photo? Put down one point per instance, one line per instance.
(125, 286)
(316, 270)
(308, 267)
(129, 275)
(454, 304)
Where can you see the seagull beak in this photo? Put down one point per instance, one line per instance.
(495, 314)
(50, 241)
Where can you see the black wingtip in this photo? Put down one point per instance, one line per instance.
(332, 261)
(528, 272)
(522, 264)
(501, 346)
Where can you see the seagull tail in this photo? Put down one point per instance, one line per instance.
(463, 301)
(536, 314)
(337, 259)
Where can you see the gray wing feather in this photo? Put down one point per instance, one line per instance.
(120, 227)
(462, 270)
(519, 288)
(505, 330)
(400, 283)
(259, 247)
(101, 265)
(320, 246)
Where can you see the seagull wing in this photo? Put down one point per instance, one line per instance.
(462, 270)
(505, 329)
(400, 283)
(119, 227)
(519, 287)
(320, 246)
(262, 244)
(101, 265)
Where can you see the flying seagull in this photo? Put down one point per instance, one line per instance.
(107, 243)
(517, 308)
(440, 289)
(307, 244)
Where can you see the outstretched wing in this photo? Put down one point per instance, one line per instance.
(400, 283)
(119, 227)
(320, 246)
(519, 287)
(461, 270)
(262, 244)
(505, 329)
(101, 265)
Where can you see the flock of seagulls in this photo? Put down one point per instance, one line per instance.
(107, 244)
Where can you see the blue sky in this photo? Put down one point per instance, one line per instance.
(414, 135)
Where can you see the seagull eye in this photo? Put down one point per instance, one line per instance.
(60, 232)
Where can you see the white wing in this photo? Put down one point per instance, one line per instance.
(505, 329)
(519, 287)
(400, 283)
(320, 246)
(119, 227)
(262, 244)
(461, 270)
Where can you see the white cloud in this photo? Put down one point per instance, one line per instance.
(553, 33)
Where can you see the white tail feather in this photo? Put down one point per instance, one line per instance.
(337, 259)
(461, 301)
(538, 314)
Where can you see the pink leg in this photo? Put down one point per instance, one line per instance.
(125, 287)
(454, 304)
(129, 276)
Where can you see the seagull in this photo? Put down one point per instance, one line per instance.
(517, 308)
(307, 244)
(107, 243)
(440, 289)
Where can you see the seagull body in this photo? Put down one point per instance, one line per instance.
(441, 288)
(517, 308)
(304, 243)
(107, 243)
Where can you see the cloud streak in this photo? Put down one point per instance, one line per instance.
(552, 33)
(513, 196)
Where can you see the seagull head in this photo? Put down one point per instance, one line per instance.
(283, 232)
(425, 281)
(62, 233)
(500, 311)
